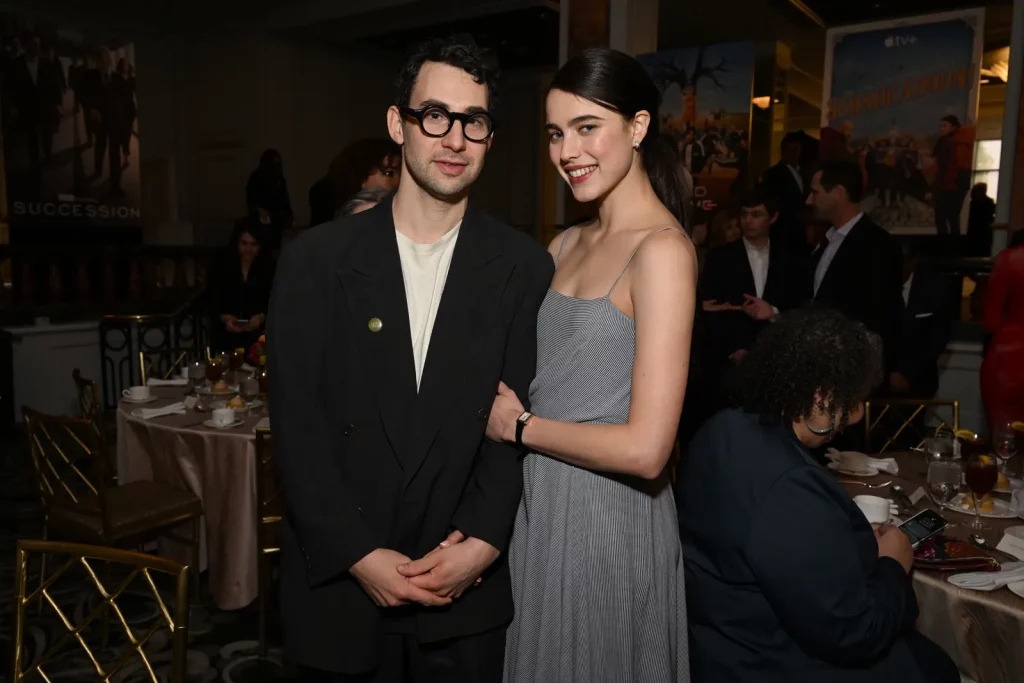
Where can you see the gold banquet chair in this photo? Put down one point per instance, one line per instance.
(269, 509)
(90, 508)
(145, 569)
(886, 420)
(162, 364)
(92, 409)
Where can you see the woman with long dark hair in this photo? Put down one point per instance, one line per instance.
(597, 570)
(266, 196)
(366, 164)
(240, 287)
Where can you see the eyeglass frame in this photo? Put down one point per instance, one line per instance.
(453, 116)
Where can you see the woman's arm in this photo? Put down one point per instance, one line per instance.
(803, 554)
(663, 293)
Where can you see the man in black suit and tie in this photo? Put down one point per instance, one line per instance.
(35, 94)
(786, 183)
(857, 269)
(925, 329)
(388, 333)
(745, 284)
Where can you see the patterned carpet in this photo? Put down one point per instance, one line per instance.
(222, 645)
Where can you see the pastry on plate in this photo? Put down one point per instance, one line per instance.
(221, 387)
(987, 504)
(237, 403)
(1002, 482)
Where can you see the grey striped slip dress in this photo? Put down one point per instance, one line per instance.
(596, 562)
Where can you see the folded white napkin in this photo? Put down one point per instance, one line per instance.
(1011, 572)
(881, 464)
(176, 382)
(173, 409)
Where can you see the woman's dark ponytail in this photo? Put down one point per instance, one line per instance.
(662, 163)
(615, 80)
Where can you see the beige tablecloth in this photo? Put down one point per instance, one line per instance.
(982, 632)
(219, 467)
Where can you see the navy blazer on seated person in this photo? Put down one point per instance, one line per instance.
(783, 578)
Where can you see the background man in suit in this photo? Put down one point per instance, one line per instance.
(388, 334)
(35, 92)
(925, 329)
(745, 284)
(857, 269)
(786, 183)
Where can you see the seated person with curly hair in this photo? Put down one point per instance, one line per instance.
(785, 578)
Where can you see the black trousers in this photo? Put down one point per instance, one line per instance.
(479, 658)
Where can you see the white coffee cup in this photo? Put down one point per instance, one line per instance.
(140, 393)
(874, 508)
(223, 416)
(183, 371)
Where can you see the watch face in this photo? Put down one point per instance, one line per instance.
(524, 417)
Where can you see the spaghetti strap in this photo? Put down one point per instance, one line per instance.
(562, 245)
(623, 272)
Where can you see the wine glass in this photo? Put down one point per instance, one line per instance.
(196, 374)
(981, 476)
(248, 389)
(944, 477)
(1004, 443)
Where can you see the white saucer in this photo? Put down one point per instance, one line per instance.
(128, 399)
(1016, 588)
(869, 471)
(231, 425)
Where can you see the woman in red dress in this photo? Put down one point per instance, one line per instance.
(1002, 371)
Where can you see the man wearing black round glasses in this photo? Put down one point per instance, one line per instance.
(388, 333)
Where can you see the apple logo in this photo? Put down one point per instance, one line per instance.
(889, 41)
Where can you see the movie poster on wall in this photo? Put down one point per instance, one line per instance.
(902, 101)
(706, 98)
(71, 143)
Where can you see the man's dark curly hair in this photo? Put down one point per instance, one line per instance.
(809, 352)
(460, 51)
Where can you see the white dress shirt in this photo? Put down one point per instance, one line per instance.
(795, 170)
(759, 262)
(33, 69)
(906, 289)
(835, 237)
(425, 271)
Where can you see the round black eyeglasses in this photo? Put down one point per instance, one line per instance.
(436, 122)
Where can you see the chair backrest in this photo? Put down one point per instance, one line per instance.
(269, 497)
(162, 363)
(88, 397)
(142, 574)
(901, 421)
(65, 452)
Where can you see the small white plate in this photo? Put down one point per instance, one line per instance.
(248, 406)
(1002, 508)
(1016, 588)
(870, 470)
(128, 399)
(231, 425)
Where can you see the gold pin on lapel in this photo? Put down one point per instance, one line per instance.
(375, 325)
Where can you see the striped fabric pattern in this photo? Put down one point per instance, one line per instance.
(597, 568)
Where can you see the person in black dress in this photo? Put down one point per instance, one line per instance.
(240, 288)
(785, 578)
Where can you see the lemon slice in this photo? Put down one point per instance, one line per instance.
(971, 436)
(1018, 425)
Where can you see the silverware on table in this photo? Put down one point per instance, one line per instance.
(865, 484)
(979, 542)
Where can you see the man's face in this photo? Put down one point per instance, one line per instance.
(945, 128)
(445, 167)
(791, 153)
(823, 202)
(755, 222)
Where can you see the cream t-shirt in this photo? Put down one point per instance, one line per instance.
(424, 270)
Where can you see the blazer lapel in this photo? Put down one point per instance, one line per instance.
(375, 291)
(744, 270)
(476, 277)
(774, 283)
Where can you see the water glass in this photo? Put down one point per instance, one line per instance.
(944, 477)
(1004, 444)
